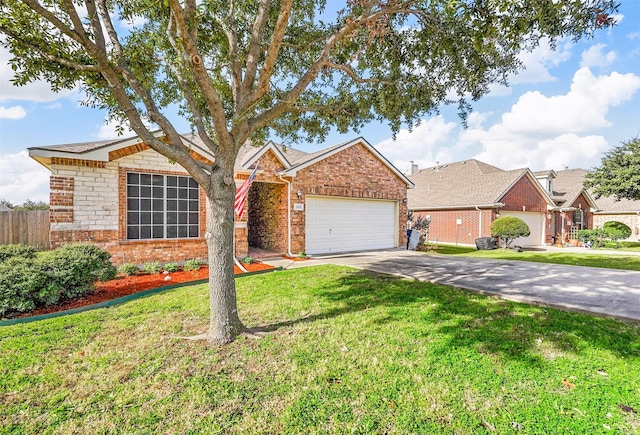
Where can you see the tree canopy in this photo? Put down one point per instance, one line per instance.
(509, 228)
(243, 70)
(618, 174)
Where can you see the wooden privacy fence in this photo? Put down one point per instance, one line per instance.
(28, 227)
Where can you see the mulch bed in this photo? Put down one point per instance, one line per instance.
(127, 285)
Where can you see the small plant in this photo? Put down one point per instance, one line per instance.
(128, 269)
(193, 264)
(248, 260)
(171, 267)
(151, 267)
(302, 254)
(617, 230)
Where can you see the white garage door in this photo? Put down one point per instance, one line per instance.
(536, 226)
(341, 224)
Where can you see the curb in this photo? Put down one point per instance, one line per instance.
(120, 300)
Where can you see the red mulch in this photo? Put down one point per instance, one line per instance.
(126, 285)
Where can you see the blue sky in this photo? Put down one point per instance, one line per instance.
(565, 110)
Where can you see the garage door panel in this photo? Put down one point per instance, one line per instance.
(342, 224)
(536, 226)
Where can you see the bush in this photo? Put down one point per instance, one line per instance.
(171, 267)
(193, 264)
(617, 230)
(302, 254)
(128, 269)
(152, 267)
(596, 237)
(248, 260)
(509, 228)
(19, 250)
(67, 272)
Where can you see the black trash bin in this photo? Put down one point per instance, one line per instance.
(486, 243)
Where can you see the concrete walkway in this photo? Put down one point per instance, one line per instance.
(604, 291)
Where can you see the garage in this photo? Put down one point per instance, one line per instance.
(536, 227)
(346, 224)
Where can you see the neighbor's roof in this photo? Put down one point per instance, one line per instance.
(468, 183)
(5, 208)
(568, 185)
(608, 204)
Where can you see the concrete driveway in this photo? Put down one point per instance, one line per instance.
(604, 291)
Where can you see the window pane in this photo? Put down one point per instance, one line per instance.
(183, 193)
(158, 205)
(145, 217)
(158, 180)
(183, 218)
(172, 205)
(172, 232)
(145, 179)
(145, 192)
(183, 182)
(133, 218)
(193, 218)
(133, 233)
(172, 218)
(193, 205)
(133, 178)
(172, 181)
(182, 231)
(183, 205)
(133, 204)
(145, 204)
(158, 232)
(158, 192)
(145, 232)
(172, 192)
(192, 182)
(193, 231)
(158, 218)
(193, 193)
(133, 191)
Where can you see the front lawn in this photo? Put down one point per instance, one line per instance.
(348, 351)
(608, 261)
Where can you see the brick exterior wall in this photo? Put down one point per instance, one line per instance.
(61, 199)
(267, 218)
(524, 193)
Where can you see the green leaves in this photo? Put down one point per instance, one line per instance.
(619, 173)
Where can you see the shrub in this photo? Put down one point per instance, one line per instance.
(509, 228)
(193, 264)
(302, 254)
(128, 269)
(19, 250)
(65, 273)
(596, 237)
(248, 260)
(171, 267)
(617, 230)
(151, 267)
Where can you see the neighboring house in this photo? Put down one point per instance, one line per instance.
(584, 211)
(125, 197)
(462, 199)
(575, 207)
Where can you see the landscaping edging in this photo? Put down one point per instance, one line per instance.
(117, 301)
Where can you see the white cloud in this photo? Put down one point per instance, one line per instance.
(39, 90)
(595, 56)
(21, 177)
(538, 62)
(109, 130)
(14, 112)
(423, 145)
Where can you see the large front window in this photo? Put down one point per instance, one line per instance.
(162, 206)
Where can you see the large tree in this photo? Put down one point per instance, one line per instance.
(619, 173)
(240, 70)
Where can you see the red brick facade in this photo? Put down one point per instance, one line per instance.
(524, 196)
(60, 199)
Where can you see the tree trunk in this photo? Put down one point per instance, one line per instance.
(224, 324)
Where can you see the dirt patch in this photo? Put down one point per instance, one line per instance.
(127, 285)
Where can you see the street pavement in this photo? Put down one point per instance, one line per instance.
(609, 292)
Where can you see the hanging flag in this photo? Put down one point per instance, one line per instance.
(241, 195)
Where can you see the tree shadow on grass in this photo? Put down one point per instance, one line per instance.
(513, 330)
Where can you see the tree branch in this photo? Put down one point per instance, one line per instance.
(253, 55)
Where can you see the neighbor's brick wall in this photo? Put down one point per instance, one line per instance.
(632, 220)
(444, 228)
(352, 173)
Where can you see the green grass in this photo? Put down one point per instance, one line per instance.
(608, 261)
(348, 351)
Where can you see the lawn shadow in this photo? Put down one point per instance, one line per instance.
(492, 325)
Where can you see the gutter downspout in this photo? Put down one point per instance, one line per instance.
(479, 221)
(288, 215)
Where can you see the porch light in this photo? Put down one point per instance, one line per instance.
(299, 194)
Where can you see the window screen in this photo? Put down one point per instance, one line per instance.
(162, 206)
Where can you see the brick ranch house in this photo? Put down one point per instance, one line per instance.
(462, 199)
(126, 198)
